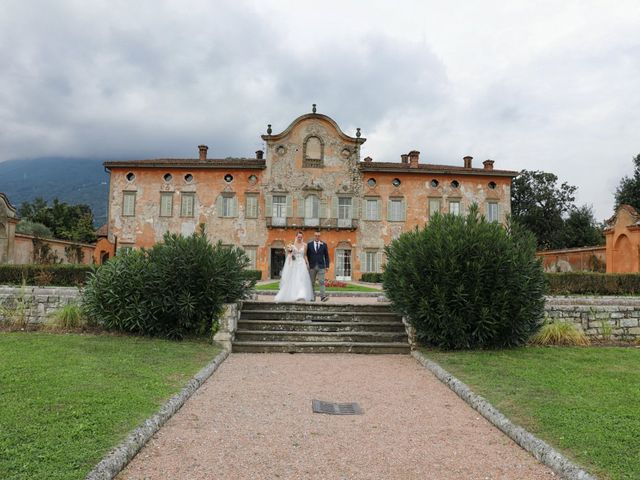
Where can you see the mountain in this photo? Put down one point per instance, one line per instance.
(71, 180)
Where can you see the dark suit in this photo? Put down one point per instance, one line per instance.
(318, 263)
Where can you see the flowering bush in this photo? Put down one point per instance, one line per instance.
(335, 283)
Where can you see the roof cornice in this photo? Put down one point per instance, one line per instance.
(314, 116)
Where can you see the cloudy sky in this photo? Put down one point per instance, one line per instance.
(537, 85)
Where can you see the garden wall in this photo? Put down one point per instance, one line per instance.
(598, 317)
(33, 304)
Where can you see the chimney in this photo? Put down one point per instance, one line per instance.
(488, 164)
(368, 159)
(404, 158)
(414, 155)
(467, 161)
(259, 154)
(203, 152)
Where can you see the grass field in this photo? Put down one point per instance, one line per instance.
(66, 400)
(583, 401)
(349, 288)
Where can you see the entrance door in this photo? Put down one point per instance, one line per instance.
(277, 262)
(343, 264)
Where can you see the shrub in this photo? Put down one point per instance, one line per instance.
(371, 277)
(55, 275)
(69, 317)
(253, 274)
(27, 227)
(591, 283)
(559, 333)
(175, 289)
(464, 282)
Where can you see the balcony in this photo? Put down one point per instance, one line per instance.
(310, 223)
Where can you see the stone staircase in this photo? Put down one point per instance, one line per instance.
(319, 328)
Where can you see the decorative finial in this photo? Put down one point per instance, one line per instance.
(358, 132)
(314, 108)
(269, 129)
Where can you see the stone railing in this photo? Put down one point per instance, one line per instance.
(598, 317)
(34, 304)
(228, 324)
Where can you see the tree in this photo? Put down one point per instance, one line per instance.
(69, 222)
(581, 229)
(628, 192)
(538, 203)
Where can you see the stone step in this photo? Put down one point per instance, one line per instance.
(321, 347)
(288, 325)
(319, 337)
(318, 315)
(316, 306)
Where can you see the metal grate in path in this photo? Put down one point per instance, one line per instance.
(319, 406)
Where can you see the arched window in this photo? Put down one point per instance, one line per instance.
(313, 152)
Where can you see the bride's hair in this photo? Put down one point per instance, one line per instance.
(299, 232)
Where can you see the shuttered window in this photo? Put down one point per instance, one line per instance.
(372, 209)
(186, 205)
(251, 206)
(492, 211)
(129, 204)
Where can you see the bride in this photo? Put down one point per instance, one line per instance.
(295, 282)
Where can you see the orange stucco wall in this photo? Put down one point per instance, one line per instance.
(623, 241)
(23, 252)
(574, 259)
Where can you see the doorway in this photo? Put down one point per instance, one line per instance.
(343, 264)
(277, 262)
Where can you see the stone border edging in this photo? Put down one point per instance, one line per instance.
(536, 447)
(118, 458)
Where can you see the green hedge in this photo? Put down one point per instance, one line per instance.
(371, 277)
(591, 283)
(253, 274)
(67, 275)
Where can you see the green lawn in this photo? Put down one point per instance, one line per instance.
(66, 400)
(349, 288)
(583, 401)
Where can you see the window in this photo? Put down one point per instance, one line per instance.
(186, 205)
(455, 184)
(228, 178)
(166, 204)
(344, 211)
(372, 209)
(435, 204)
(492, 185)
(396, 182)
(130, 177)
(434, 183)
(312, 211)
(167, 177)
(372, 261)
(454, 207)
(396, 210)
(371, 182)
(492, 211)
(251, 206)
(188, 178)
(252, 253)
(313, 154)
(279, 216)
(343, 264)
(129, 204)
(124, 249)
(228, 206)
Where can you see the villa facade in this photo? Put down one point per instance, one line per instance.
(310, 177)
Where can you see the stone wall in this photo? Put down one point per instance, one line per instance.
(34, 303)
(598, 317)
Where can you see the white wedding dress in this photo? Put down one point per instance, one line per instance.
(295, 282)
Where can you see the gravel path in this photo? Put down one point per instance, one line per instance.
(253, 419)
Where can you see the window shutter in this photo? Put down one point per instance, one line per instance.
(234, 207)
(355, 206)
(289, 207)
(301, 201)
(219, 206)
(378, 261)
(389, 209)
(363, 262)
(334, 207)
(323, 207)
(403, 210)
(268, 205)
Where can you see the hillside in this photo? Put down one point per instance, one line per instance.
(72, 180)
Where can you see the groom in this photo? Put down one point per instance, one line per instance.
(318, 257)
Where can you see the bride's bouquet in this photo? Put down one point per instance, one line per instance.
(290, 250)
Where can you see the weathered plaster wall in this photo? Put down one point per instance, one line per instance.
(574, 259)
(24, 250)
(623, 241)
